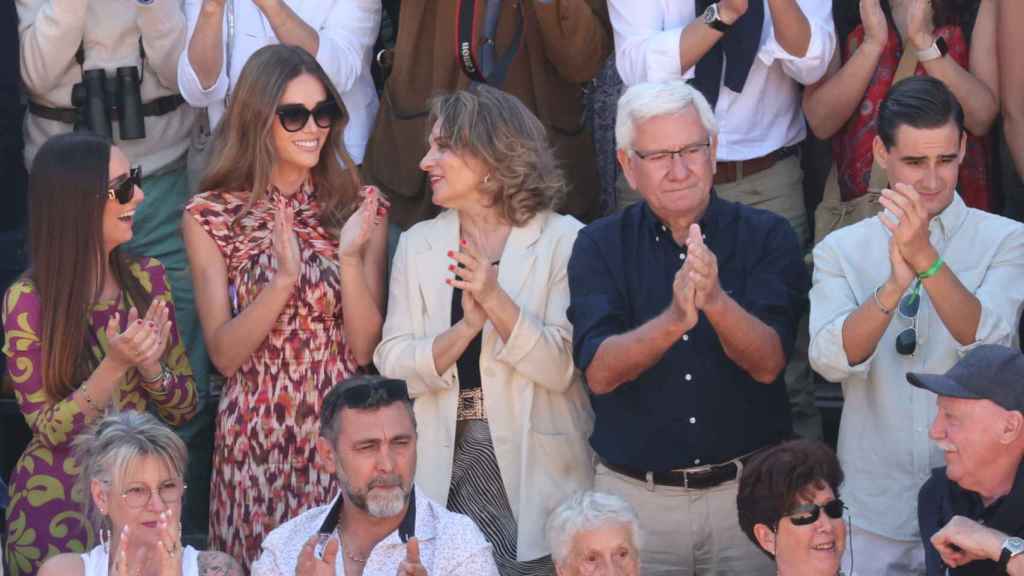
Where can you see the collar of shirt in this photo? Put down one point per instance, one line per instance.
(710, 221)
(1006, 514)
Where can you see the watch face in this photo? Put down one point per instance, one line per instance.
(711, 14)
(1014, 545)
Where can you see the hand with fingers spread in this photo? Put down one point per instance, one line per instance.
(908, 223)
(876, 27)
(473, 273)
(285, 248)
(355, 234)
(919, 24)
(703, 269)
(310, 565)
(411, 566)
(169, 558)
(132, 347)
(158, 320)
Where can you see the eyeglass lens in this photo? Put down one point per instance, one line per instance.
(910, 304)
(124, 190)
(295, 116)
(139, 496)
(809, 513)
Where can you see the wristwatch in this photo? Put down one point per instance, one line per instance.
(714, 20)
(937, 50)
(1012, 546)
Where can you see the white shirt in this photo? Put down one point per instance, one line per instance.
(883, 434)
(764, 117)
(97, 562)
(450, 545)
(347, 30)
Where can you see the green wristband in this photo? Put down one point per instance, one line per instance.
(933, 270)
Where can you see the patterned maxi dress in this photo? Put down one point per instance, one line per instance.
(45, 516)
(264, 468)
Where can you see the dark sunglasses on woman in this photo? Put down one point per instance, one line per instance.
(122, 188)
(293, 117)
(808, 513)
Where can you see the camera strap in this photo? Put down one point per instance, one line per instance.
(480, 61)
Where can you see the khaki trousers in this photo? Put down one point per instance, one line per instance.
(687, 532)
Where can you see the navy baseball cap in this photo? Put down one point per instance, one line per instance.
(987, 372)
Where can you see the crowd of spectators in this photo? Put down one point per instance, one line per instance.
(521, 288)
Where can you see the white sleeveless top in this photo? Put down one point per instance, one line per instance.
(96, 562)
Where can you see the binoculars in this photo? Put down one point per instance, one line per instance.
(99, 98)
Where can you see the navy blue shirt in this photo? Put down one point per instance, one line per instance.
(695, 406)
(940, 499)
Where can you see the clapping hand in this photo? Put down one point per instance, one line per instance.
(310, 565)
(143, 342)
(684, 306)
(169, 558)
(731, 10)
(908, 225)
(411, 565)
(919, 24)
(354, 235)
(962, 541)
(703, 269)
(285, 248)
(876, 27)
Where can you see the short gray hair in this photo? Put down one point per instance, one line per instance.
(107, 450)
(647, 100)
(587, 511)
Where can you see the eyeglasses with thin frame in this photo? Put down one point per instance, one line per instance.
(294, 117)
(122, 188)
(807, 514)
(139, 496)
(906, 340)
(664, 158)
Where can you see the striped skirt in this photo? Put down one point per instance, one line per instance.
(477, 492)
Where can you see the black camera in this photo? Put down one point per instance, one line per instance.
(99, 99)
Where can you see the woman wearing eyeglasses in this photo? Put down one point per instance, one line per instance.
(788, 504)
(287, 258)
(132, 474)
(88, 330)
(477, 327)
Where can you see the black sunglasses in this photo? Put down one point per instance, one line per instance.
(806, 514)
(906, 341)
(362, 394)
(294, 116)
(123, 188)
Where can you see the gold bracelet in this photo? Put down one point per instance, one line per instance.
(886, 311)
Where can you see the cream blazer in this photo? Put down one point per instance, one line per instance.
(538, 410)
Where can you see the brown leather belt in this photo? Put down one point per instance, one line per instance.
(730, 171)
(700, 478)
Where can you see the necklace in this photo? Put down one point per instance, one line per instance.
(348, 554)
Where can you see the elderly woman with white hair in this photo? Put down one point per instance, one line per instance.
(592, 534)
(133, 467)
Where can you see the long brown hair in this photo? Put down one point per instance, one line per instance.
(67, 195)
(243, 148)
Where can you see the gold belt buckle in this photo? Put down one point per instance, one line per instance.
(471, 405)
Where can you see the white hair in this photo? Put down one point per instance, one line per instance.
(588, 511)
(647, 100)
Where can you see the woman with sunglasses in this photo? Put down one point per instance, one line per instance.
(88, 330)
(287, 258)
(788, 505)
(477, 326)
(133, 475)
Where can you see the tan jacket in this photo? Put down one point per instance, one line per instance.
(538, 410)
(565, 42)
(51, 32)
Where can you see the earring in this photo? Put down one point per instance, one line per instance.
(105, 540)
(487, 179)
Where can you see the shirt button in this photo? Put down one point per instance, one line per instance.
(686, 337)
(693, 420)
(688, 377)
(696, 460)
(657, 238)
(682, 256)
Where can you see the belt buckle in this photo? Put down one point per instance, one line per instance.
(695, 470)
(471, 405)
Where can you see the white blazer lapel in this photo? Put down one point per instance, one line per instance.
(432, 261)
(518, 257)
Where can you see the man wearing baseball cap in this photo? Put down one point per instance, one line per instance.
(980, 429)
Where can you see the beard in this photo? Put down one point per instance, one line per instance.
(383, 497)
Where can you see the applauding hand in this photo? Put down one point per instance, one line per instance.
(411, 565)
(355, 234)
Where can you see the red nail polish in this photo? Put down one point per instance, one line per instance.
(463, 241)
(150, 324)
(448, 281)
(451, 268)
(451, 254)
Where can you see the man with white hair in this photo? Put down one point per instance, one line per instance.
(380, 524)
(594, 534)
(684, 311)
(980, 429)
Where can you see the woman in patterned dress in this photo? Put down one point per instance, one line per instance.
(88, 330)
(287, 256)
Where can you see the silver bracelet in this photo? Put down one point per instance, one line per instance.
(886, 311)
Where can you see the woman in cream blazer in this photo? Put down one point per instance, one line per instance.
(477, 326)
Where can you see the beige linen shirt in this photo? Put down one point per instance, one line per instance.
(883, 434)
